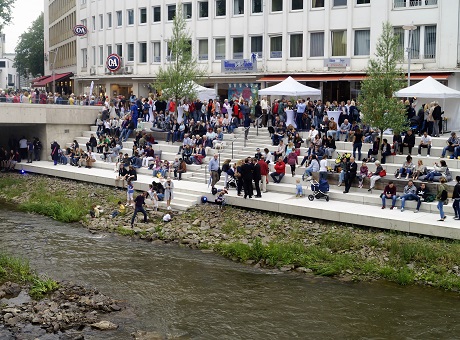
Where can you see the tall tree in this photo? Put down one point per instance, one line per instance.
(30, 50)
(177, 79)
(6, 6)
(384, 77)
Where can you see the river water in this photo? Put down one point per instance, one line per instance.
(184, 293)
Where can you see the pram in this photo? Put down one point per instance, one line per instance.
(319, 190)
(231, 180)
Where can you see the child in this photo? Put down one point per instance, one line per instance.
(152, 198)
(298, 188)
(129, 194)
(120, 211)
(220, 198)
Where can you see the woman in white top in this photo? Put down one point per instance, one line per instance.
(228, 107)
(323, 169)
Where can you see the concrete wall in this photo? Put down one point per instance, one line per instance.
(47, 122)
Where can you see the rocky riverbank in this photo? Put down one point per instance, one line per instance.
(255, 238)
(64, 314)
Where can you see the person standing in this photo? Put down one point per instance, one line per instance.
(456, 199)
(247, 175)
(55, 152)
(263, 166)
(37, 149)
(139, 207)
(30, 151)
(441, 197)
(213, 168)
(23, 147)
(257, 177)
(350, 174)
(169, 192)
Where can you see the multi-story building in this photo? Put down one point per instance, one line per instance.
(323, 43)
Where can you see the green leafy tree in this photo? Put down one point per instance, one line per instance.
(384, 77)
(30, 50)
(6, 6)
(177, 80)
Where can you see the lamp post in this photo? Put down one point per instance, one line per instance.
(409, 28)
(55, 51)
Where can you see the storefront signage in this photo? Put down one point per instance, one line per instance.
(80, 30)
(113, 62)
(337, 62)
(239, 66)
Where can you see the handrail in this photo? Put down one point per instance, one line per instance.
(244, 132)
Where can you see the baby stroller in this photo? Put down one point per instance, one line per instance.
(231, 180)
(319, 190)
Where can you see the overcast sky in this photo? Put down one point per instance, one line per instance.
(24, 13)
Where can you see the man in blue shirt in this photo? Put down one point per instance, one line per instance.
(213, 168)
(301, 107)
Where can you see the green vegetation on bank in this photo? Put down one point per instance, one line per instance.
(17, 270)
(55, 201)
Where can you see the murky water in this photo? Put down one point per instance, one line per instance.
(186, 293)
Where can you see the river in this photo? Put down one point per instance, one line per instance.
(184, 293)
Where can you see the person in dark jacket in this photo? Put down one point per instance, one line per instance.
(409, 142)
(257, 177)
(422, 193)
(246, 174)
(55, 152)
(456, 199)
(386, 150)
(350, 174)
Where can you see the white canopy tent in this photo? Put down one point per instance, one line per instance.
(290, 87)
(430, 89)
(202, 93)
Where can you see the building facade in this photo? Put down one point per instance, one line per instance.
(323, 43)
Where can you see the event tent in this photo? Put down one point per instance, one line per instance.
(290, 87)
(428, 88)
(202, 93)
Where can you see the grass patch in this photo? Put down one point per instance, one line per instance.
(18, 270)
(125, 232)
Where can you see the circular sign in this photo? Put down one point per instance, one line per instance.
(113, 62)
(80, 30)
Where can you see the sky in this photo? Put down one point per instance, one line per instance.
(24, 13)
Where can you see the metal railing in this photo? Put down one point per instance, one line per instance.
(244, 132)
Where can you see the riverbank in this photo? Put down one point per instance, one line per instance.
(255, 238)
(31, 305)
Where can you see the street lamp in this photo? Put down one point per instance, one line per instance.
(409, 28)
(55, 51)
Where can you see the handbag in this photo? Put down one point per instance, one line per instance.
(382, 173)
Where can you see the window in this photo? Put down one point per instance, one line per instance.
(317, 44)
(238, 48)
(2, 64)
(83, 22)
(220, 49)
(317, 3)
(109, 50)
(203, 9)
(93, 50)
(276, 47)
(415, 3)
(415, 45)
(84, 57)
(221, 10)
(277, 5)
(171, 12)
(399, 32)
(362, 42)
(130, 17)
(339, 43)
(119, 18)
(109, 20)
(340, 3)
(101, 22)
(187, 9)
(296, 4)
(156, 47)
(156, 14)
(238, 7)
(256, 45)
(93, 23)
(256, 6)
(143, 15)
(119, 49)
(430, 42)
(363, 2)
(101, 55)
(130, 47)
(295, 50)
(142, 52)
(203, 49)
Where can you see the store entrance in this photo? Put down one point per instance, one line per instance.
(336, 90)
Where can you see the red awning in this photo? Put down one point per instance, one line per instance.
(35, 80)
(347, 77)
(49, 79)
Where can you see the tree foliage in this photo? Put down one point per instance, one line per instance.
(6, 7)
(177, 79)
(384, 77)
(30, 50)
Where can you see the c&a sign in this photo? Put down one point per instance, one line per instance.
(113, 62)
(80, 30)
